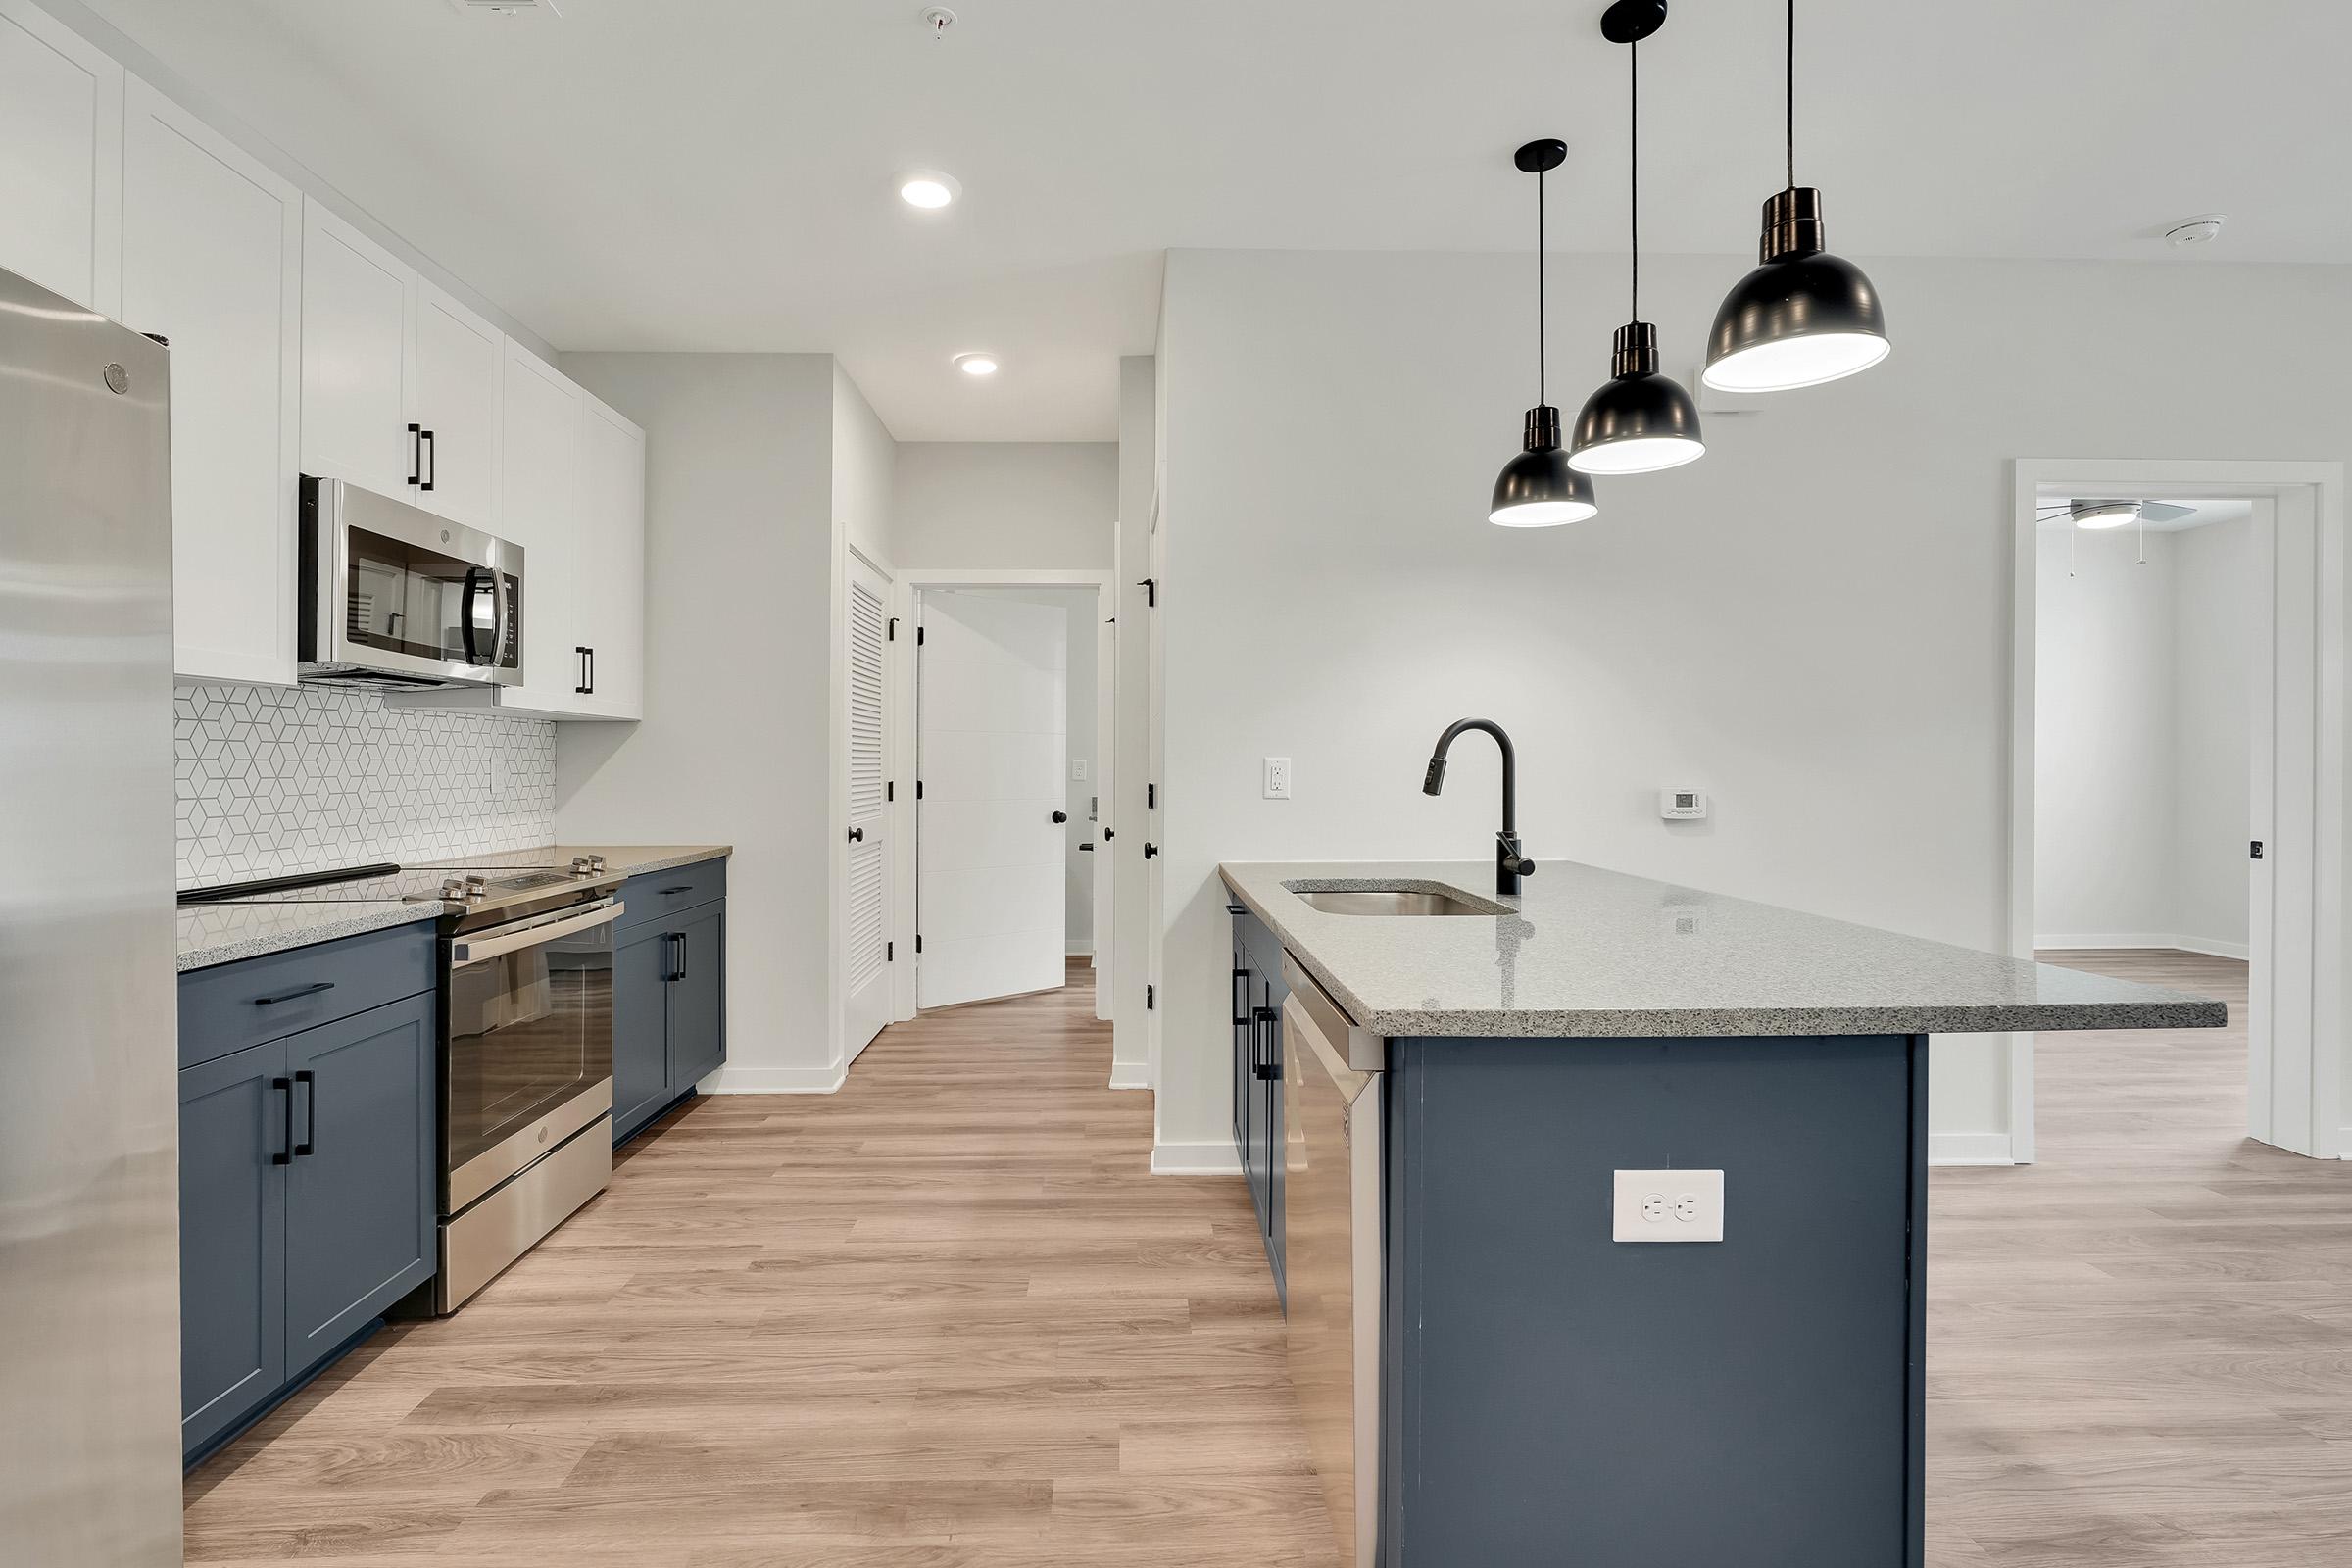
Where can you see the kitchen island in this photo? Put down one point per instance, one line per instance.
(1478, 1114)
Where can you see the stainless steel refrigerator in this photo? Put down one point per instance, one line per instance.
(89, 1147)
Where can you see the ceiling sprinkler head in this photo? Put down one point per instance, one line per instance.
(939, 19)
(2196, 230)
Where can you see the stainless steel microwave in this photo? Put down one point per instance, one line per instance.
(394, 597)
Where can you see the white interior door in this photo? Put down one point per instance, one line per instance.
(1107, 667)
(865, 922)
(992, 689)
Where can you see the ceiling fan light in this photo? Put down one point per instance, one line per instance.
(1537, 489)
(2101, 514)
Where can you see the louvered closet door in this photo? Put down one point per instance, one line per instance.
(866, 926)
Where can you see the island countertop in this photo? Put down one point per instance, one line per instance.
(1589, 952)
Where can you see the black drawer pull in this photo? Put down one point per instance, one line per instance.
(310, 1119)
(310, 990)
(683, 887)
(286, 1155)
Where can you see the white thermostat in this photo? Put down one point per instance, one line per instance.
(1682, 805)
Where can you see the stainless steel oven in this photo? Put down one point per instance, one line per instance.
(527, 1073)
(394, 595)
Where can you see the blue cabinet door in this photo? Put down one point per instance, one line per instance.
(640, 1027)
(362, 1186)
(698, 997)
(233, 1129)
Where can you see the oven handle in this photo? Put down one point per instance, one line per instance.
(465, 952)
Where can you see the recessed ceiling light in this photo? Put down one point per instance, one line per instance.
(976, 363)
(928, 188)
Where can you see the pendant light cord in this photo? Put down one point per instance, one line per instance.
(1790, 86)
(1633, 183)
(1542, 388)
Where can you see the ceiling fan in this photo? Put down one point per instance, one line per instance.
(2110, 514)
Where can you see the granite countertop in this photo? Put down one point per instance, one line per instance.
(223, 932)
(1583, 951)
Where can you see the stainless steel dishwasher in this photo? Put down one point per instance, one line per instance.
(1332, 1246)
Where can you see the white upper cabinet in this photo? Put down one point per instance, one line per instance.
(612, 473)
(356, 391)
(60, 159)
(212, 260)
(540, 511)
(457, 357)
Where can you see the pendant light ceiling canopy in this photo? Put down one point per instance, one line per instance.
(1803, 317)
(1537, 489)
(1639, 422)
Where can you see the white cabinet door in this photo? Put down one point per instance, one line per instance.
(458, 370)
(544, 416)
(609, 581)
(356, 391)
(60, 159)
(212, 260)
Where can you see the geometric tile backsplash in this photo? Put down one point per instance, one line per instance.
(274, 779)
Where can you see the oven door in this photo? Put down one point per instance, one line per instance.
(528, 1060)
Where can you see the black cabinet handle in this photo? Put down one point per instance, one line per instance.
(1151, 849)
(286, 1154)
(584, 686)
(415, 453)
(856, 835)
(310, 990)
(669, 893)
(432, 456)
(309, 1117)
(677, 968)
(1060, 817)
(1264, 1018)
(1241, 1006)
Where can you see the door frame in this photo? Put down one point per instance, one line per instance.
(2296, 1073)
(905, 590)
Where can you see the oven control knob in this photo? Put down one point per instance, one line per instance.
(595, 864)
(453, 889)
(478, 887)
(580, 866)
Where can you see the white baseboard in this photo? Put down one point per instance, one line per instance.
(777, 1079)
(1130, 1075)
(1217, 1158)
(2078, 940)
(1970, 1149)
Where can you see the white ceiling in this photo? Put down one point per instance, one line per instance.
(715, 174)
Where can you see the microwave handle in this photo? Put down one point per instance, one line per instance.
(478, 580)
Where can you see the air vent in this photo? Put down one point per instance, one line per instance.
(507, 7)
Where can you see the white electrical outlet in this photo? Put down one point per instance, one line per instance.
(1078, 769)
(1668, 1206)
(1278, 778)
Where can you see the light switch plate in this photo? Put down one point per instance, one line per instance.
(1077, 769)
(1278, 778)
(1668, 1206)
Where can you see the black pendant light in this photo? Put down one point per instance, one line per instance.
(1639, 422)
(1536, 489)
(1805, 316)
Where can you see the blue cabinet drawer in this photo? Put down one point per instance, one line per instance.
(232, 1005)
(659, 893)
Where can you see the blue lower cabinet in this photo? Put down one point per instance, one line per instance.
(233, 1125)
(309, 1170)
(1258, 993)
(669, 1010)
(360, 1189)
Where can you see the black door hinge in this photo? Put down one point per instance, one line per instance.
(1150, 998)
(2257, 852)
(918, 636)
(892, 636)
(890, 789)
(1151, 796)
(890, 953)
(1151, 588)
(918, 942)
(919, 789)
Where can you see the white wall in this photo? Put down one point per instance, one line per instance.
(739, 571)
(2142, 746)
(2214, 592)
(1005, 504)
(1811, 622)
(2105, 757)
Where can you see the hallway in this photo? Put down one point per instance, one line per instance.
(2141, 1347)
(942, 1317)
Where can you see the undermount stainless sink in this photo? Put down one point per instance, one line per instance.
(1390, 901)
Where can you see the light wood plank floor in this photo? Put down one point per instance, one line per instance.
(2140, 1349)
(942, 1318)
